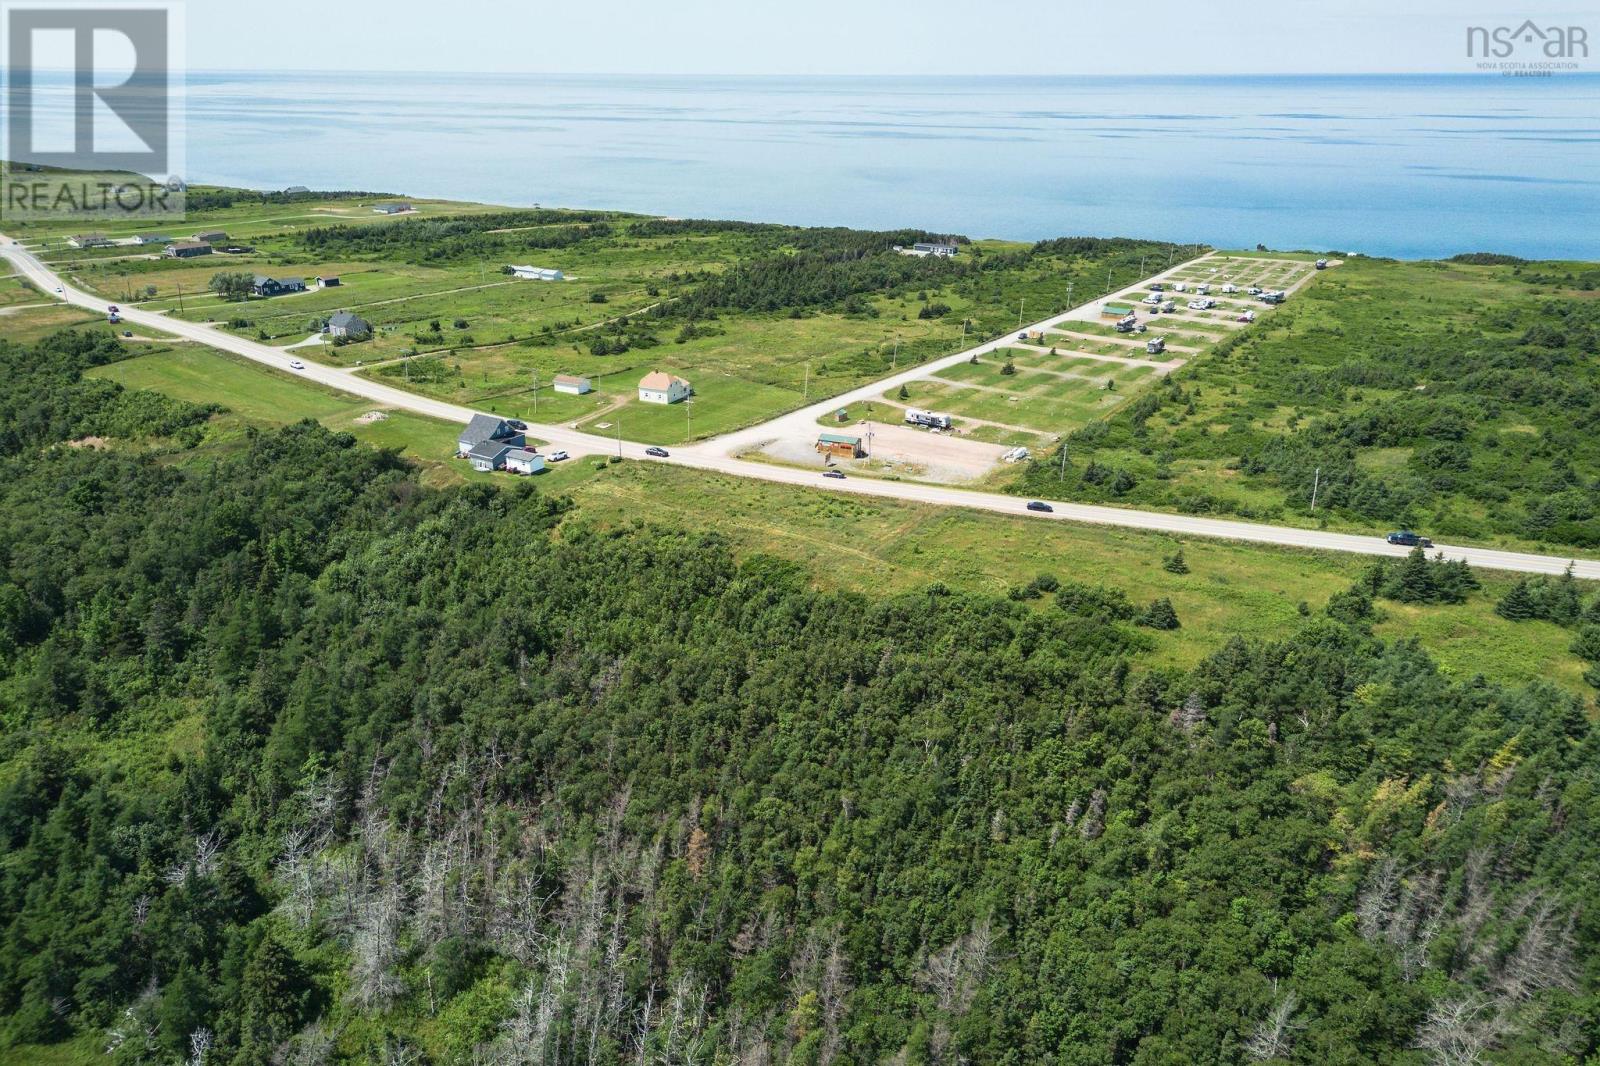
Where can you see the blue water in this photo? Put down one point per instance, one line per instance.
(1409, 166)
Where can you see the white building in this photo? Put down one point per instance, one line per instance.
(573, 385)
(533, 273)
(524, 461)
(660, 387)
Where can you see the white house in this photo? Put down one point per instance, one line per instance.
(660, 387)
(533, 273)
(572, 385)
(524, 461)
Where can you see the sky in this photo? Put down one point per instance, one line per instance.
(1040, 37)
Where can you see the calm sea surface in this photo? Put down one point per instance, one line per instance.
(1406, 166)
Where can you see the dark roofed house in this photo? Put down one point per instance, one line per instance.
(296, 190)
(262, 285)
(345, 324)
(392, 209)
(487, 428)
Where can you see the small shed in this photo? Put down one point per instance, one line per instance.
(573, 385)
(524, 461)
(840, 446)
(327, 281)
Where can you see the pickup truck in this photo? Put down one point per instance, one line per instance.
(1407, 539)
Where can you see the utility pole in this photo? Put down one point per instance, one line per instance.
(1020, 306)
(619, 436)
(1316, 483)
(688, 418)
(1069, 295)
(1108, 279)
(180, 297)
(1142, 258)
(536, 395)
(806, 392)
(894, 360)
(1063, 475)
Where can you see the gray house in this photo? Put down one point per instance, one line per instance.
(345, 324)
(491, 454)
(488, 429)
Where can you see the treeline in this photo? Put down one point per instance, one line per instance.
(501, 235)
(47, 399)
(305, 762)
(221, 199)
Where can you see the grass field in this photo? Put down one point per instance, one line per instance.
(1231, 589)
(256, 396)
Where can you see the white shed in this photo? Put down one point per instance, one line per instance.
(523, 461)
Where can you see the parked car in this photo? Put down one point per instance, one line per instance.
(517, 424)
(1157, 287)
(1154, 299)
(1407, 539)
(1248, 316)
(1039, 505)
(295, 364)
(834, 474)
(1254, 290)
(556, 457)
(1322, 264)
(127, 333)
(658, 453)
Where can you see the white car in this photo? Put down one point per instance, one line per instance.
(556, 457)
(1153, 300)
(295, 364)
(1197, 305)
(1230, 289)
(59, 289)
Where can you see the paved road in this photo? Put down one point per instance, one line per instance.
(720, 455)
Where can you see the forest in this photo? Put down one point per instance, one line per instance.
(305, 762)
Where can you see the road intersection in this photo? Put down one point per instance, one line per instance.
(722, 454)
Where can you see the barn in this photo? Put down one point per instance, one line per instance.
(840, 446)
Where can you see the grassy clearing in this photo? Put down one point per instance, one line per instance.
(1231, 590)
(258, 397)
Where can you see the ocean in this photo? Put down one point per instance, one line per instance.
(1408, 166)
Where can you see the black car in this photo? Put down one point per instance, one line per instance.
(833, 473)
(517, 424)
(659, 453)
(1039, 505)
(1407, 539)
